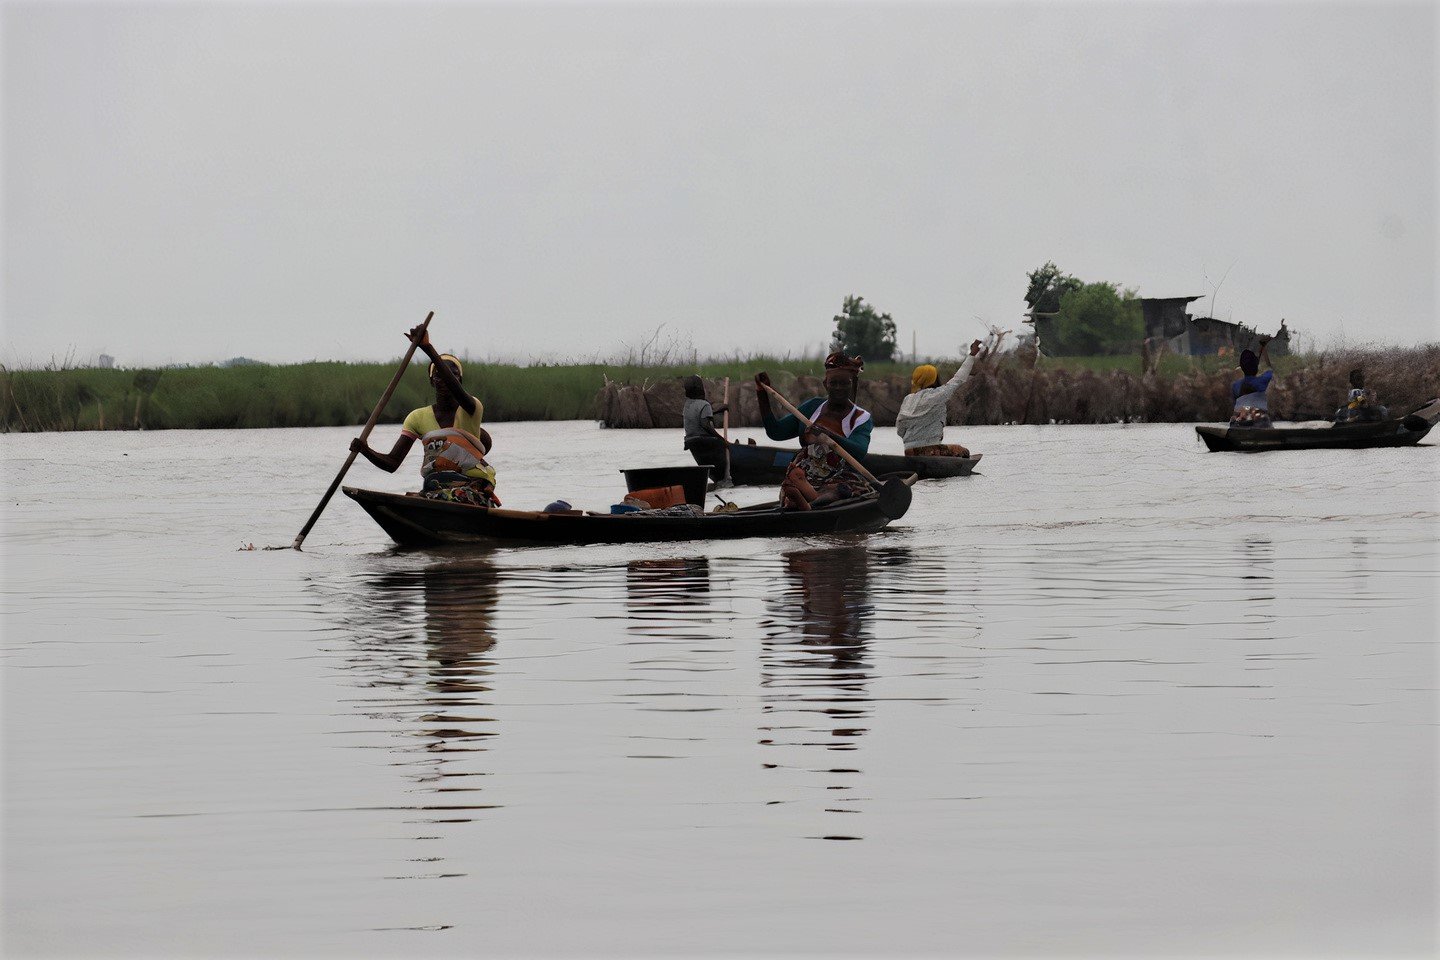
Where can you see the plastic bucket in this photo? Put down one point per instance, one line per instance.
(693, 478)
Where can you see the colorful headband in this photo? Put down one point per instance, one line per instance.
(838, 361)
(459, 370)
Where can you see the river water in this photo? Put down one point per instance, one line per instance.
(1111, 695)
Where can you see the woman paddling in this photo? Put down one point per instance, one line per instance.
(818, 475)
(1252, 406)
(450, 435)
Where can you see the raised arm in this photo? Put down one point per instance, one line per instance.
(421, 338)
(781, 428)
(963, 374)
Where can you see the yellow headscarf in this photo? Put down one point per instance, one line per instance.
(924, 376)
(459, 370)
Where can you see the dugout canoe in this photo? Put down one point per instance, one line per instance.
(1402, 432)
(413, 521)
(759, 466)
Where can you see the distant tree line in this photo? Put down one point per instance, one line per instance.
(1073, 318)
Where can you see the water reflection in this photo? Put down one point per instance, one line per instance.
(1256, 581)
(421, 644)
(660, 586)
(814, 675)
(677, 613)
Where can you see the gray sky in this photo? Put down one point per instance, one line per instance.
(194, 181)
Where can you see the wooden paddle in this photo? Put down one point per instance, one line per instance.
(844, 454)
(364, 434)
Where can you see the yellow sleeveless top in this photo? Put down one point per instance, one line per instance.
(422, 421)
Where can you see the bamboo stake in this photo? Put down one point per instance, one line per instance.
(725, 427)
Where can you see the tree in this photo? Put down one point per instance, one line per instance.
(1096, 318)
(860, 331)
(1047, 286)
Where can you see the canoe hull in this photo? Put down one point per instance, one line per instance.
(1403, 432)
(763, 466)
(416, 522)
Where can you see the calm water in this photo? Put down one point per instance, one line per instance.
(1113, 695)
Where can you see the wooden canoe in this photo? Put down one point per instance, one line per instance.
(1400, 432)
(760, 466)
(414, 521)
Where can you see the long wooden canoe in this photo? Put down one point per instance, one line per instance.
(414, 521)
(756, 465)
(1400, 432)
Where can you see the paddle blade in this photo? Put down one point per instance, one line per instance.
(894, 498)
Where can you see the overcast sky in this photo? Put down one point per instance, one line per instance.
(196, 181)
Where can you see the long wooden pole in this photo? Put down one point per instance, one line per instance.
(844, 454)
(369, 425)
(725, 427)
(725, 418)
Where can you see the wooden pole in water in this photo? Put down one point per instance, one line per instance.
(725, 427)
(365, 433)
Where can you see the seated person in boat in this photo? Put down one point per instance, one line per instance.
(818, 475)
(1361, 406)
(1252, 407)
(450, 435)
(701, 438)
(921, 421)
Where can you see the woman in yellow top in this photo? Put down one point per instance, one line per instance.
(450, 435)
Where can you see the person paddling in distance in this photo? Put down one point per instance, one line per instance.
(449, 430)
(921, 421)
(818, 475)
(1252, 405)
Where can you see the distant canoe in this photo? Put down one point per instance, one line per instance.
(414, 521)
(1403, 432)
(766, 465)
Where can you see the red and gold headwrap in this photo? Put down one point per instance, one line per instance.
(838, 361)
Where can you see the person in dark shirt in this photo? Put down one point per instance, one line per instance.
(701, 438)
(818, 475)
(1361, 405)
(1252, 405)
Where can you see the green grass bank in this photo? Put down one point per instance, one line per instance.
(337, 394)
(317, 394)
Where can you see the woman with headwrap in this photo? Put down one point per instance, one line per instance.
(1361, 405)
(921, 421)
(449, 431)
(1252, 407)
(818, 475)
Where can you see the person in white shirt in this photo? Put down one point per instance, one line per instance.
(921, 421)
